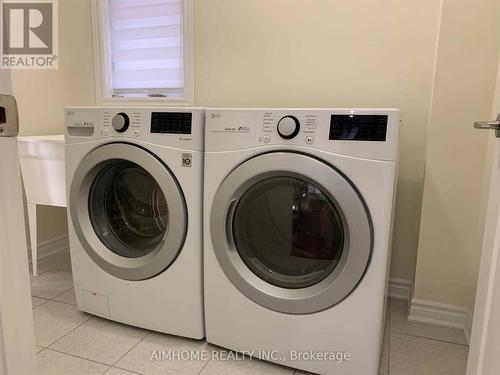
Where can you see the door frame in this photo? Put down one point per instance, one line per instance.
(488, 287)
(17, 337)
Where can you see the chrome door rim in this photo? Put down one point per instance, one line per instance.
(357, 224)
(166, 252)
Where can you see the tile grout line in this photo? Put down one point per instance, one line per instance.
(60, 294)
(47, 270)
(429, 338)
(124, 369)
(75, 356)
(67, 333)
(43, 303)
(203, 368)
(52, 298)
(45, 300)
(92, 360)
(128, 351)
(65, 303)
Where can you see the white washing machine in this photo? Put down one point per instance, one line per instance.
(298, 207)
(134, 179)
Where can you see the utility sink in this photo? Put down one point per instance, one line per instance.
(42, 167)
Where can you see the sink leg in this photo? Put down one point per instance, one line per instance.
(34, 243)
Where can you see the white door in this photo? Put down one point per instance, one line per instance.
(17, 343)
(484, 358)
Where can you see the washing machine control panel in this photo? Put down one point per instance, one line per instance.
(181, 127)
(171, 122)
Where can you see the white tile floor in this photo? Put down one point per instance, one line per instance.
(72, 342)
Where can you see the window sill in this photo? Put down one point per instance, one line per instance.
(145, 101)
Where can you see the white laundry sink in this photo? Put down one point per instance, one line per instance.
(42, 166)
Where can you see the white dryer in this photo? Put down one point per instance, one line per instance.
(134, 180)
(298, 206)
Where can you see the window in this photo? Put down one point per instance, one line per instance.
(143, 51)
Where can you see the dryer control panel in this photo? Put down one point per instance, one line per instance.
(370, 133)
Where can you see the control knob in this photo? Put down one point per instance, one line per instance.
(120, 122)
(288, 127)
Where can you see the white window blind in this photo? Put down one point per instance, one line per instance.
(146, 41)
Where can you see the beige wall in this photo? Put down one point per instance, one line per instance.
(43, 94)
(450, 238)
(366, 53)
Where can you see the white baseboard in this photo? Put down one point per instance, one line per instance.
(400, 289)
(441, 314)
(430, 312)
(50, 247)
(468, 326)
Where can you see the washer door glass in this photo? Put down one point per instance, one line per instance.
(128, 210)
(288, 232)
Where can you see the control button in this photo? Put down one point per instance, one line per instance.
(309, 140)
(288, 127)
(266, 138)
(105, 132)
(136, 132)
(120, 122)
(187, 160)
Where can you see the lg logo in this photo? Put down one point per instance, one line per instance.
(29, 34)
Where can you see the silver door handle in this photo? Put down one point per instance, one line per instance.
(495, 125)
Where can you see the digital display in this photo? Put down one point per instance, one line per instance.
(358, 127)
(171, 122)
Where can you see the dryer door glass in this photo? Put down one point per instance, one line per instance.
(127, 209)
(288, 232)
(291, 232)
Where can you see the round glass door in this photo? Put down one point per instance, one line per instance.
(291, 232)
(128, 210)
(288, 232)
